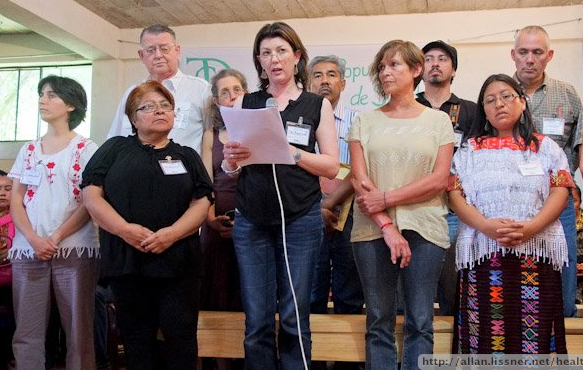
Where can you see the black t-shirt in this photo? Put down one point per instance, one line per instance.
(135, 186)
(461, 112)
(256, 195)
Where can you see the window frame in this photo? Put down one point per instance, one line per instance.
(7, 150)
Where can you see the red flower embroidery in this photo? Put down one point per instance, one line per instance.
(76, 191)
(50, 176)
(31, 147)
(30, 193)
(76, 167)
(80, 145)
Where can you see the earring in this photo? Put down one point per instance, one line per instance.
(486, 128)
(263, 75)
(296, 70)
(522, 119)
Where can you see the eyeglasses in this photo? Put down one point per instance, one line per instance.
(151, 107)
(227, 93)
(506, 98)
(164, 49)
(268, 55)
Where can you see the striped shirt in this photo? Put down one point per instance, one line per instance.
(343, 119)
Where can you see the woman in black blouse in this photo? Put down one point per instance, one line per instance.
(280, 60)
(149, 196)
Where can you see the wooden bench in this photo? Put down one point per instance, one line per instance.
(334, 337)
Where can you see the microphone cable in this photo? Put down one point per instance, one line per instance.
(271, 102)
(283, 236)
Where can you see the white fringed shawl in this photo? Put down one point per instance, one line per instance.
(492, 182)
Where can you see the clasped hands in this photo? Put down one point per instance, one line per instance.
(507, 232)
(45, 248)
(147, 241)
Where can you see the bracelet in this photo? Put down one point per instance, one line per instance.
(229, 172)
(389, 223)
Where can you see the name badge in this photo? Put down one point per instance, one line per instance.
(30, 177)
(181, 113)
(172, 167)
(298, 133)
(458, 138)
(534, 168)
(553, 126)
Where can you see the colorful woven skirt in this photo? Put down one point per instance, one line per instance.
(512, 305)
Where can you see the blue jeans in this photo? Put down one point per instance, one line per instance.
(265, 288)
(346, 288)
(569, 274)
(446, 288)
(379, 281)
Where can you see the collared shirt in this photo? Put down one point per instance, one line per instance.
(343, 119)
(461, 112)
(558, 99)
(190, 94)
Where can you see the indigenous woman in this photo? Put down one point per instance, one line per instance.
(508, 185)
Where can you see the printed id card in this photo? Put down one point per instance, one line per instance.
(172, 167)
(553, 126)
(30, 177)
(298, 133)
(533, 168)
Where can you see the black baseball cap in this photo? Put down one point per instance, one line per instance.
(450, 50)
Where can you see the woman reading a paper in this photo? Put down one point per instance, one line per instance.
(261, 222)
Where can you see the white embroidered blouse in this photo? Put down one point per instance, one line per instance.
(54, 196)
(494, 177)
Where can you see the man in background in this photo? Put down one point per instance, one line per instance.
(160, 54)
(440, 69)
(335, 269)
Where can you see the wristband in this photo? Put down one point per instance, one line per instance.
(385, 225)
(234, 172)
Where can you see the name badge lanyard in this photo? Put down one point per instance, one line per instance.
(454, 112)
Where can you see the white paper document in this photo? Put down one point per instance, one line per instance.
(261, 130)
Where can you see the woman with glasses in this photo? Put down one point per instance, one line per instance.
(55, 252)
(280, 60)
(508, 185)
(220, 285)
(149, 196)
